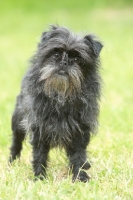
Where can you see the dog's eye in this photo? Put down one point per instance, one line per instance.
(77, 59)
(56, 55)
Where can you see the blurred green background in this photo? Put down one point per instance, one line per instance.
(21, 25)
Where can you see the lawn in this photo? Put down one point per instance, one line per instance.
(111, 150)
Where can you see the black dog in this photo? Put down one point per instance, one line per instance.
(58, 103)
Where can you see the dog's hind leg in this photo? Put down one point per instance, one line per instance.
(18, 135)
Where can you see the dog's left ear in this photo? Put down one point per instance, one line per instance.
(95, 45)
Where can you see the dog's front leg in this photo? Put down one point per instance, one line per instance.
(40, 157)
(76, 153)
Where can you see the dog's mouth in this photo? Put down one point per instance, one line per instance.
(63, 72)
(62, 81)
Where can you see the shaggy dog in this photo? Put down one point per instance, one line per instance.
(59, 100)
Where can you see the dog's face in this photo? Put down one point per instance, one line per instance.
(65, 60)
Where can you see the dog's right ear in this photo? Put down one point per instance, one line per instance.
(44, 36)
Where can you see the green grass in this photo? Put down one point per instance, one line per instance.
(110, 151)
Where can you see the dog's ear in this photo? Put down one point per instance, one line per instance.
(94, 44)
(44, 36)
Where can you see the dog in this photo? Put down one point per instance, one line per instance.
(59, 100)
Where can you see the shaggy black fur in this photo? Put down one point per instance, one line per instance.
(58, 103)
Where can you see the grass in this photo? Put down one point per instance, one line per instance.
(110, 151)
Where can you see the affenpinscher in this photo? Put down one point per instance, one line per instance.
(59, 100)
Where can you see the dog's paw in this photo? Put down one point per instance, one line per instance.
(86, 166)
(11, 160)
(81, 176)
(40, 177)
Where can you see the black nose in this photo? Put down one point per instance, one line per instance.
(63, 63)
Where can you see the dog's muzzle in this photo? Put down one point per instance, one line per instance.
(64, 64)
(64, 61)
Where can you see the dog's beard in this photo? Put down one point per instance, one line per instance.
(61, 85)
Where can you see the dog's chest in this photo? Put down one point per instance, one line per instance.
(61, 124)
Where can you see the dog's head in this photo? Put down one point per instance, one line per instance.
(66, 60)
